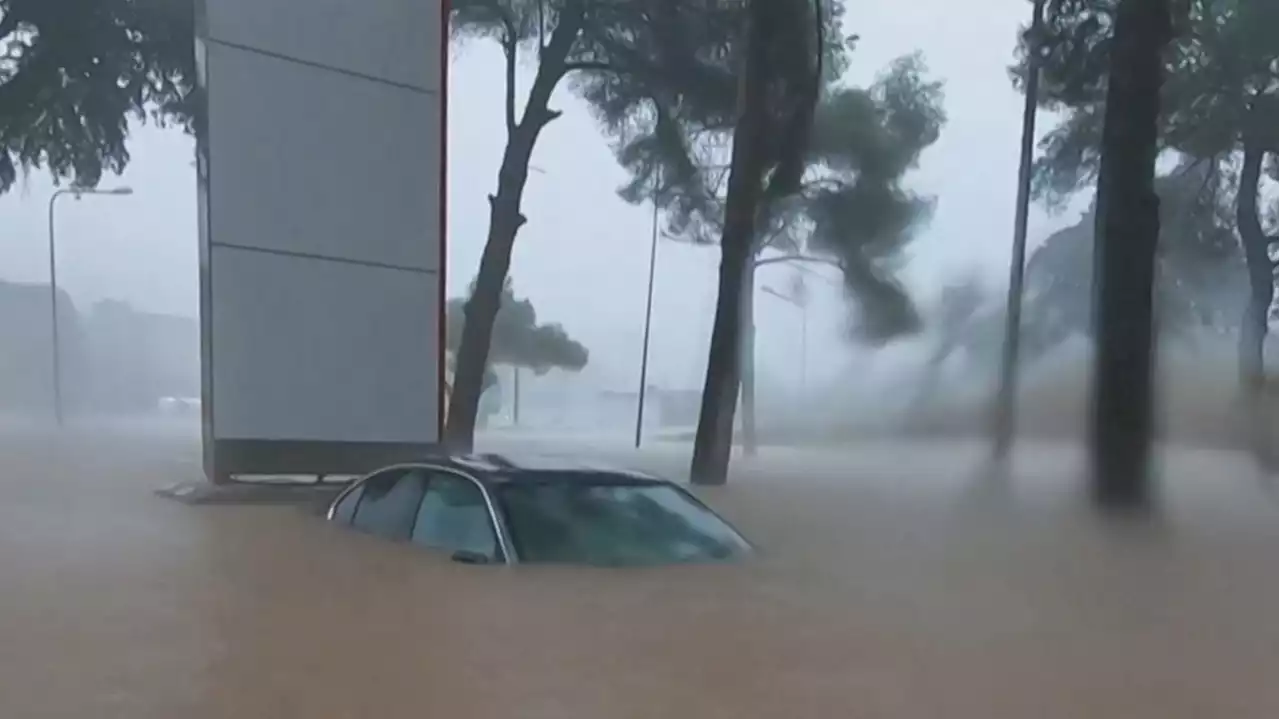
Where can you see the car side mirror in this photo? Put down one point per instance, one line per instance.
(466, 556)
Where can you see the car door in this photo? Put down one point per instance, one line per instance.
(453, 516)
(384, 504)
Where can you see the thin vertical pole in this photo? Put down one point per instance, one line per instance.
(515, 395)
(53, 315)
(804, 351)
(648, 322)
(1006, 398)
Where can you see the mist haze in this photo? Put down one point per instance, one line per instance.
(583, 241)
(898, 572)
(142, 249)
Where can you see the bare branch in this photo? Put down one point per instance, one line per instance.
(510, 46)
(542, 28)
(8, 24)
(588, 65)
(830, 262)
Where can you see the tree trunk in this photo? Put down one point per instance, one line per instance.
(1255, 242)
(750, 438)
(713, 441)
(1259, 391)
(505, 220)
(1127, 228)
(482, 307)
(1006, 420)
(928, 386)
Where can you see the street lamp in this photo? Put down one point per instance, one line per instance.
(648, 317)
(53, 288)
(1007, 393)
(799, 301)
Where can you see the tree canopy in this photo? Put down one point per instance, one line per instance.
(1217, 106)
(1198, 262)
(1223, 56)
(74, 72)
(855, 206)
(519, 339)
(1199, 268)
(851, 207)
(672, 127)
(632, 63)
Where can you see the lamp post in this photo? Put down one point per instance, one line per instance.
(53, 290)
(798, 301)
(1006, 396)
(648, 321)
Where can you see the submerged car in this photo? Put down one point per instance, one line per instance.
(492, 509)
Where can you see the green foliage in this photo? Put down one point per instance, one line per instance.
(1198, 265)
(518, 338)
(855, 203)
(624, 58)
(74, 72)
(672, 126)
(1199, 273)
(1217, 103)
(851, 206)
(621, 54)
(1223, 55)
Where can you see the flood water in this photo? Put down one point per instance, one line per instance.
(892, 583)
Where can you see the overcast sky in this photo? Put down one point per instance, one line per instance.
(582, 257)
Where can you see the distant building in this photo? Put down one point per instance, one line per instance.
(136, 358)
(114, 359)
(26, 360)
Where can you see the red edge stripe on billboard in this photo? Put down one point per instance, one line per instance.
(442, 387)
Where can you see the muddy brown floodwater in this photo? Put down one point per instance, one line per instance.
(890, 585)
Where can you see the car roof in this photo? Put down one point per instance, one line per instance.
(506, 467)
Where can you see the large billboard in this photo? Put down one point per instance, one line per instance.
(321, 180)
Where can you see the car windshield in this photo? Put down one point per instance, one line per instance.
(583, 521)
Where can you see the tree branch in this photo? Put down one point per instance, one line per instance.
(800, 258)
(589, 65)
(542, 27)
(509, 49)
(552, 66)
(9, 24)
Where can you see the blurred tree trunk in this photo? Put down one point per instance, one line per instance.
(713, 441)
(750, 439)
(1253, 239)
(1128, 225)
(928, 387)
(1257, 394)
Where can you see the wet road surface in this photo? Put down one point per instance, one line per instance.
(892, 584)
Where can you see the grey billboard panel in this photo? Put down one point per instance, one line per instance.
(321, 163)
(321, 177)
(309, 349)
(395, 40)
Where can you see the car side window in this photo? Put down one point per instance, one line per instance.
(345, 510)
(454, 516)
(388, 502)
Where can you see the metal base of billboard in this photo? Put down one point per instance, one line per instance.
(228, 460)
